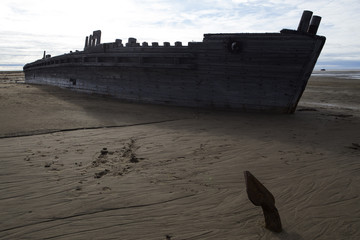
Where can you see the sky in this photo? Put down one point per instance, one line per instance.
(29, 27)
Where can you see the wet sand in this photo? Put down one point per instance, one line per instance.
(175, 173)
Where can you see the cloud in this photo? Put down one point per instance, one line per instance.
(31, 26)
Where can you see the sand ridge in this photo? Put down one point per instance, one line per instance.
(175, 173)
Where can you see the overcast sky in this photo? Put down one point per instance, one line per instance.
(28, 27)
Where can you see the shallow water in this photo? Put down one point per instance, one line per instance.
(337, 74)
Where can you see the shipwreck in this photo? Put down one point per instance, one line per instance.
(235, 71)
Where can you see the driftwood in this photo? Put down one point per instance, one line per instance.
(260, 196)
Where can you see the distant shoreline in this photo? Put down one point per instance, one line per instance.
(353, 75)
(315, 71)
(326, 70)
(336, 70)
(11, 71)
(338, 74)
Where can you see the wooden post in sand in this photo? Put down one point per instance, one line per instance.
(260, 196)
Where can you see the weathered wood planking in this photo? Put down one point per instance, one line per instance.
(266, 71)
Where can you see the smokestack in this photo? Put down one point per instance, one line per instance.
(86, 41)
(97, 37)
(314, 24)
(305, 20)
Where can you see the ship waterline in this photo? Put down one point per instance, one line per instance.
(236, 71)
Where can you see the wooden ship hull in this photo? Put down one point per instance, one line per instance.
(237, 71)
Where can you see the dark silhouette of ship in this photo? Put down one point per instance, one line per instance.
(238, 71)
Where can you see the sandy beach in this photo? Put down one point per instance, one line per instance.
(79, 166)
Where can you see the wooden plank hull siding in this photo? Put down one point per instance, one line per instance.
(261, 72)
